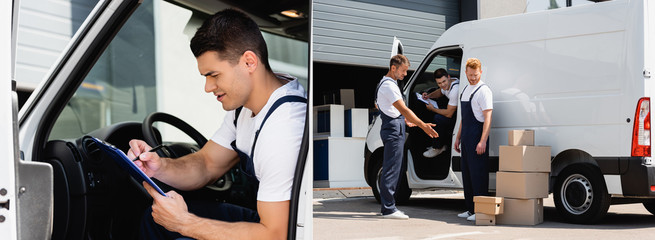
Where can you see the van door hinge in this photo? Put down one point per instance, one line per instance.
(646, 73)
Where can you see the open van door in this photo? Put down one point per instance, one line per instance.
(8, 223)
(25, 187)
(396, 47)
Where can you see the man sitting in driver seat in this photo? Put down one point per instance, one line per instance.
(263, 136)
(443, 118)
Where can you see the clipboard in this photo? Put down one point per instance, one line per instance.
(126, 163)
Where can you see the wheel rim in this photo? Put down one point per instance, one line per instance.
(577, 194)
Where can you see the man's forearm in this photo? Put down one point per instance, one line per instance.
(486, 127)
(203, 228)
(274, 218)
(185, 173)
(448, 112)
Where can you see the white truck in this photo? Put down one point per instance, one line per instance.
(579, 76)
(54, 183)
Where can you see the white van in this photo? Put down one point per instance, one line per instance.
(54, 181)
(579, 76)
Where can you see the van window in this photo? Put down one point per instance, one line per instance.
(449, 60)
(148, 67)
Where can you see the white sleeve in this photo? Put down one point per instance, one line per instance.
(390, 92)
(486, 99)
(276, 152)
(452, 95)
(227, 132)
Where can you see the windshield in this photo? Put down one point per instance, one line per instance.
(148, 67)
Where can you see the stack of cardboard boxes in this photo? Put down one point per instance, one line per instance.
(521, 183)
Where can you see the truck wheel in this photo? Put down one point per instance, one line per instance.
(403, 192)
(650, 206)
(580, 194)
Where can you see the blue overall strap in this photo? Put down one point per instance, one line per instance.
(236, 116)
(476, 90)
(471, 97)
(378, 89)
(277, 103)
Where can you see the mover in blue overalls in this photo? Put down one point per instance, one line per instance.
(476, 105)
(264, 137)
(443, 118)
(394, 115)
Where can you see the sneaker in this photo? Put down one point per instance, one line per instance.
(396, 215)
(432, 152)
(471, 218)
(465, 214)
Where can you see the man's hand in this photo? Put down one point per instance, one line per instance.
(481, 148)
(425, 96)
(430, 107)
(170, 212)
(427, 128)
(456, 145)
(149, 162)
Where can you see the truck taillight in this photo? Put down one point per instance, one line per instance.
(641, 129)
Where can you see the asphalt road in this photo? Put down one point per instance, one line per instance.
(352, 215)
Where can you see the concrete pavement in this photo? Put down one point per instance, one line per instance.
(352, 214)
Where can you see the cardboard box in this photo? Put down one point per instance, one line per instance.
(521, 137)
(521, 212)
(521, 185)
(482, 219)
(488, 205)
(524, 158)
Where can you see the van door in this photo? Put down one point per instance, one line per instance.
(421, 168)
(8, 222)
(25, 187)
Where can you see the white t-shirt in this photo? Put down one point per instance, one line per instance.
(482, 100)
(278, 145)
(451, 93)
(388, 94)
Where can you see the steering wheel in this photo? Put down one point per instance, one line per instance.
(176, 150)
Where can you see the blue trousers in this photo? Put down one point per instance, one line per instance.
(445, 130)
(475, 172)
(213, 210)
(393, 137)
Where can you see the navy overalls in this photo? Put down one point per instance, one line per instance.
(444, 126)
(392, 133)
(475, 168)
(215, 210)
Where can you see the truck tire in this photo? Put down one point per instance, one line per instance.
(403, 192)
(650, 206)
(580, 194)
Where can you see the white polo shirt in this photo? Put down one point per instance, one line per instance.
(482, 100)
(278, 144)
(388, 93)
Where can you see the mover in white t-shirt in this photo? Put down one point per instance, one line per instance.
(232, 56)
(394, 116)
(443, 118)
(476, 106)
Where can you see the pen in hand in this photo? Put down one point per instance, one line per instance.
(151, 150)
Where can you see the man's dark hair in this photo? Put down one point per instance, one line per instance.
(398, 60)
(439, 73)
(230, 33)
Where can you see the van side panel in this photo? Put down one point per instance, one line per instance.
(567, 83)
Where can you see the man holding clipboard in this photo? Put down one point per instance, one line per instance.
(262, 132)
